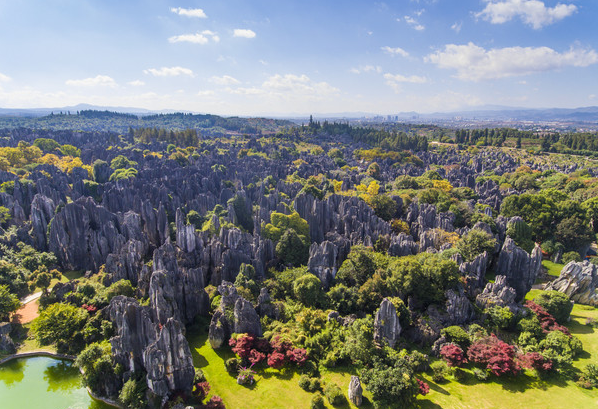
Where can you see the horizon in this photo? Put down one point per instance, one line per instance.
(292, 59)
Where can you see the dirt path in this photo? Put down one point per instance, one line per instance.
(29, 311)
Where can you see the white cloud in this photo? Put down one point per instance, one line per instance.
(243, 32)
(98, 80)
(288, 87)
(206, 93)
(366, 68)
(297, 84)
(474, 63)
(189, 12)
(168, 71)
(592, 96)
(224, 80)
(413, 23)
(532, 12)
(395, 51)
(395, 80)
(456, 27)
(4, 78)
(413, 79)
(197, 38)
(136, 83)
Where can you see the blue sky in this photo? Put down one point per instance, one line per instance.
(298, 57)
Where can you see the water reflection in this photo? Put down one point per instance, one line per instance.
(62, 376)
(13, 371)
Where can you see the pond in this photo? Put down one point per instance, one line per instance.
(42, 382)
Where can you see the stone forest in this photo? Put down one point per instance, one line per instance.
(196, 261)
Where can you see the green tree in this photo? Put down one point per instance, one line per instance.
(308, 290)
(292, 248)
(391, 387)
(280, 222)
(384, 206)
(475, 242)
(122, 162)
(9, 303)
(58, 322)
(556, 304)
(43, 281)
(98, 369)
(243, 213)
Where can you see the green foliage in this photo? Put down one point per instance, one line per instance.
(309, 384)
(574, 233)
(358, 346)
(439, 371)
(499, 317)
(308, 290)
(556, 304)
(343, 299)
(571, 256)
(560, 348)
(98, 173)
(456, 335)
(317, 402)
(391, 387)
(121, 287)
(281, 286)
(474, 243)
(9, 303)
(70, 150)
(537, 210)
(589, 377)
(334, 394)
(46, 144)
(98, 370)
(247, 279)
(122, 162)
(243, 212)
(292, 248)
(521, 233)
(132, 395)
(58, 324)
(195, 219)
(280, 222)
(120, 174)
(184, 138)
(5, 216)
(384, 206)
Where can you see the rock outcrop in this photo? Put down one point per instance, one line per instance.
(458, 307)
(355, 391)
(498, 294)
(520, 268)
(142, 343)
(323, 261)
(7, 346)
(579, 280)
(387, 327)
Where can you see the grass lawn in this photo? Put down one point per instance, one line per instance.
(554, 269)
(273, 388)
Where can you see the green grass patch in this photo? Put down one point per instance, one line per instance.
(554, 269)
(272, 389)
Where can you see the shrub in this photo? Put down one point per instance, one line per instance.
(424, 388)
(556, 304)
(535, 360)
(132, 395)
(309, 384)
(317, 402)
(215, 402)
(456, 335)
(439, 370)
(232, 365)
(496, 355)
(334, 394)
(453, 355)
(589, 377)
(474, 243)
(571, 256)
(480, 374)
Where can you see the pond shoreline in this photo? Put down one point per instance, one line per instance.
(54, 355)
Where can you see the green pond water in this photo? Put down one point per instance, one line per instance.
(41, 382)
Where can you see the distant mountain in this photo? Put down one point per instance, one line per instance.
(583, 114)
(36, 112)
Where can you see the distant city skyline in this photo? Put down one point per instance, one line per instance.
(267, 57)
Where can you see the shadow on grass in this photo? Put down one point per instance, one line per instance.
(577, 328)
(437, 388)
(427, 404)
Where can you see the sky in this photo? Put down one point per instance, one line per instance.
(287, 57)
